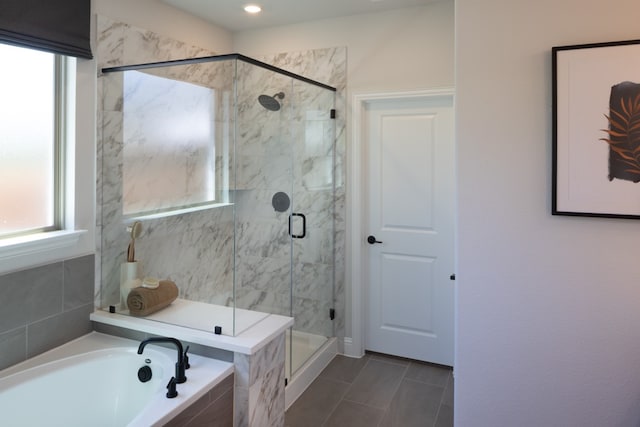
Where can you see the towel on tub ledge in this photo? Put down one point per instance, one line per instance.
(145, 301)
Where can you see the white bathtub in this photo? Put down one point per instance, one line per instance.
(92, 381)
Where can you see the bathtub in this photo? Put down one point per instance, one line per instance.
(93, 381)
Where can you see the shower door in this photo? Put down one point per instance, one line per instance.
(312, 219)
(284, 205)
(263, 191)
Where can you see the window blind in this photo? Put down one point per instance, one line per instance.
(57, 26)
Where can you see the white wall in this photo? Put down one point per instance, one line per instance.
(164, 19)
(404, 49)
(548, 307)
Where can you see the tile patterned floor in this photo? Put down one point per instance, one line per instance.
(376, 390)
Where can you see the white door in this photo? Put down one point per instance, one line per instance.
(410, 203)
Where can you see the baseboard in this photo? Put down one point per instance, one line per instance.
(350, 350)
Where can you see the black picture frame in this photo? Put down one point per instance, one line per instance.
(596, 130)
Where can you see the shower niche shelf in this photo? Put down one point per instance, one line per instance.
(173, 212)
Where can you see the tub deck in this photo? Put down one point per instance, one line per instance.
(203, 375)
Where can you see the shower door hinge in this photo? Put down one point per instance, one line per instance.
(332, 313)
(333, 113)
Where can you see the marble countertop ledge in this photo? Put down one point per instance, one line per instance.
(247, 342)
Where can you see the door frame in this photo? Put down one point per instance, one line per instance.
(354, 345)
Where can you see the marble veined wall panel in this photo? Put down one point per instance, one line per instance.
(195, 250)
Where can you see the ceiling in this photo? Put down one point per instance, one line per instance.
(229, 14)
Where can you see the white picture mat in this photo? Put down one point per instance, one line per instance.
(584, 81)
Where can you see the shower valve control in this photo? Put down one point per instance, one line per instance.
(372, 240)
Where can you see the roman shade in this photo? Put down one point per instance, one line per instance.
(57, 26)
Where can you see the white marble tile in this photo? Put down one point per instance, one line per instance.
(252, 204)
(271, 356)
(266, 400)
(266, 385)
(265, 273)
(312, 316)
(110, 44)
(265, 301)
(313, 281)
(262, 238)
(241, 406)
(259, 388)
(251, 172)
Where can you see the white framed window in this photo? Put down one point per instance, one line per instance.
(32, 135)
(45, 209)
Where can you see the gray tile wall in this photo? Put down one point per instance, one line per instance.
(44, 307)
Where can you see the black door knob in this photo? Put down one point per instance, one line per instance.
(372, 240)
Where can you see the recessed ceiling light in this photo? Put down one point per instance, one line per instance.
(252, 8)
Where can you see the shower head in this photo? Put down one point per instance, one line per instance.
(270, 102)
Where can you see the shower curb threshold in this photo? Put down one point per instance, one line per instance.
(310, 371)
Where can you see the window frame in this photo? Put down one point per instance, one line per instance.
(61, 141)
(71, 234)
(60, 65)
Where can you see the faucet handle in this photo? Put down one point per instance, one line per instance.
(171, 388)
(185, 359)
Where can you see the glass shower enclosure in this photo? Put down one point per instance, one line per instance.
(219, 171)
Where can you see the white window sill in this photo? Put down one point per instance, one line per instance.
(34, 244)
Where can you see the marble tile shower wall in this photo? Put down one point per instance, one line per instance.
(196, 250)
(44, 307)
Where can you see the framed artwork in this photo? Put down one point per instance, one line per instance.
(596, 130)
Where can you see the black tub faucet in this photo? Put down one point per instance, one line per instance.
(180, 365)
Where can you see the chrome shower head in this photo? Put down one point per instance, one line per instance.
(271, 102)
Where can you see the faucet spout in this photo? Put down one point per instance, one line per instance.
(180, 365)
